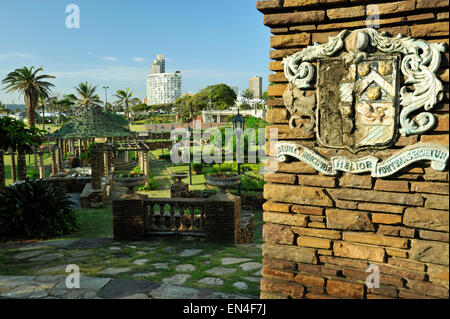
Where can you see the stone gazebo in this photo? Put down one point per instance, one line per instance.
(87, 127)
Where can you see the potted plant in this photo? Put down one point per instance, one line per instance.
(131, 179)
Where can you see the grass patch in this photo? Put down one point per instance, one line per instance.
(95, 223)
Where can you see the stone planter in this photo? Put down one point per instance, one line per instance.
(130, 182)
(223, 182)
(179, 176)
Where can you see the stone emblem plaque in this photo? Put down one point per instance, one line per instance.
(357, 104)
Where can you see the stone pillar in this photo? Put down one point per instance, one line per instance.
(80, 147)
(41, 166)
(222, 218)
(35, 158)
(106, 164)
(128, 217)
(145, 168)
(54, 166)
(96, 165)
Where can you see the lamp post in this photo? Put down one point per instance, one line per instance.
(106, 96)
(238, 126)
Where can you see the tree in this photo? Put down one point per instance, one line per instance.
(16, 136)
(86, 96)
(29, 84)
(124, 99)
(247, 94)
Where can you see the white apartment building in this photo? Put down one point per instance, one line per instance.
(163, 88)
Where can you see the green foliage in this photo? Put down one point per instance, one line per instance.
(221, 96)
(86, 155)
(249, 183)
(36, 210)
(32, 174)
(17, 135)
(197, 167)
(132, 155)
(122, 120)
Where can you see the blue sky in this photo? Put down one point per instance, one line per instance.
(209, 41)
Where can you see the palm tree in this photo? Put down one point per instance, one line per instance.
(124, 98)
(86, 96)
(247, 94)
(28, 83)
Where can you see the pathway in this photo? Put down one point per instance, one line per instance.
(161, 268)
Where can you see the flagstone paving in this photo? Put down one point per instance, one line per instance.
(160, 267)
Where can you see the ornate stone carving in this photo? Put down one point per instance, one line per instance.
(301, 109)
(419, 62)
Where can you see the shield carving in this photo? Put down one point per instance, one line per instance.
(357, 102)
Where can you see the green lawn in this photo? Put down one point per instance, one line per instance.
(95, 223)
(30, 165)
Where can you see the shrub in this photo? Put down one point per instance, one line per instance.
(36, 210)
(32, 174)
(197, 167)
(249, 183)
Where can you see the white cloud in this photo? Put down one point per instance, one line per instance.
(15, 55)
(138, 59)
(168, 59)
(110, 58)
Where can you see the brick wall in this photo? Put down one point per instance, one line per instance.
(322, 232)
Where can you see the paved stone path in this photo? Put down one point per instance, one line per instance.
(55, 287)
(159, 268)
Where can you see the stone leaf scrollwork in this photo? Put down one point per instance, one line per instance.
(301, 108)
(297, 67)
(420, 62)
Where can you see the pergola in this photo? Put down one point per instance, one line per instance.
(85, 127)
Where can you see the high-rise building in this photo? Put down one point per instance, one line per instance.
(159, 65)
(255, 86)
(163, 88)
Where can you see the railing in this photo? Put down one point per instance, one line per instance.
(185, 216)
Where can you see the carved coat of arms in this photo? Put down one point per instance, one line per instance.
(369, 90)
(358, 103)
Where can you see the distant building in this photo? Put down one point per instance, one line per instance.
(255, 86)
(159, 65)
(163, 88)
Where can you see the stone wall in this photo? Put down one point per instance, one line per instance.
(321, 232)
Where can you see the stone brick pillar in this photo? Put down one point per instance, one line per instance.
(128, 217)
(222, 218)
(106, 163)
(97, 166)
(41, 166)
